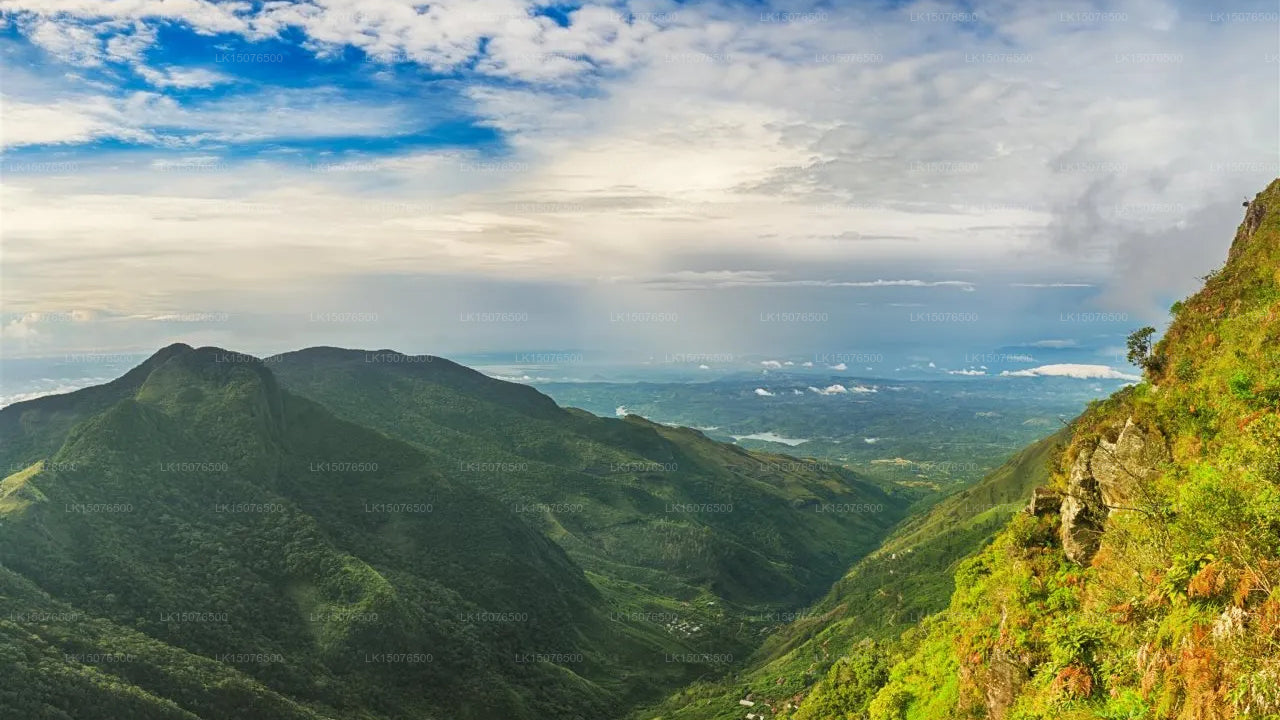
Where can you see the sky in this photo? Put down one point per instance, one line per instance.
(628, 180)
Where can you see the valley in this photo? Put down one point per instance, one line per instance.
(639, 360)
(364, 534)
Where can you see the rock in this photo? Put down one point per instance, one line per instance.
(1044, 501)
(1106, 478)
(1253, 217)
(1083, 513)
(1122, 466)
(1004, 678)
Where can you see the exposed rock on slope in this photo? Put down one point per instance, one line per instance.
(1104, 479)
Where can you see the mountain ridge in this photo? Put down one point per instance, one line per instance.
(1143, 581)
(199, 485)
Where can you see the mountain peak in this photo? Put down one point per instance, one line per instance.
(1263, 209)
(215, 384)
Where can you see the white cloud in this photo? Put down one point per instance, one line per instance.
(966, 372)
(130, 47)
(65, 121)
(1056, 344)
(183, 79)
(708, 130)
(521, 378)
(152, 118)
(831, 390)
(1073, 370)
(18, 329)
(839, 367)
(711, 279)
(53, 388)
(71, 43)
(774, 364)
(763, 393)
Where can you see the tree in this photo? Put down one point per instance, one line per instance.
(1140, 349)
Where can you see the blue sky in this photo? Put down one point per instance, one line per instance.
(629, 179)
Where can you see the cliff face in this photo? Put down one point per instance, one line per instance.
(1144, 582)
(1108, 477)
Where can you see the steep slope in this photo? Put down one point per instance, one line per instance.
(210, 546)
(908, 578)
(666, 520)
(1151, 589)
(34, 429)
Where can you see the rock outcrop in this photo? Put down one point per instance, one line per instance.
(1005, 677)
(1129, 463)
(1105, 478)
(1253, 218)
(1044, 501)
(1083, 512)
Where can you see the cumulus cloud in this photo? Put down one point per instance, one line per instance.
(830, 390)
(18, 329)
(840, 367)
(966, 372)
(633, 139)
(763, 393)
(774, 364)
(1073, 370)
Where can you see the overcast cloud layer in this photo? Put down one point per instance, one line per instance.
(653, 177)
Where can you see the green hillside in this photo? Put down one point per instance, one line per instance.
(211, 545)
(664, 519)
(1148, 586)
(908, 578)
(199, 537)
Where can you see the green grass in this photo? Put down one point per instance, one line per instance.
(1178, 614)
(16, 491)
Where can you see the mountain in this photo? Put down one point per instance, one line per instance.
(201, 539)
(1143, 581)
(36, 428)
(661, 514)
(204, 544)
(908, 578)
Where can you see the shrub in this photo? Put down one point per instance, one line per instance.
(1241, 386)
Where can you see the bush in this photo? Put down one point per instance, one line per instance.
(1241, 386)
